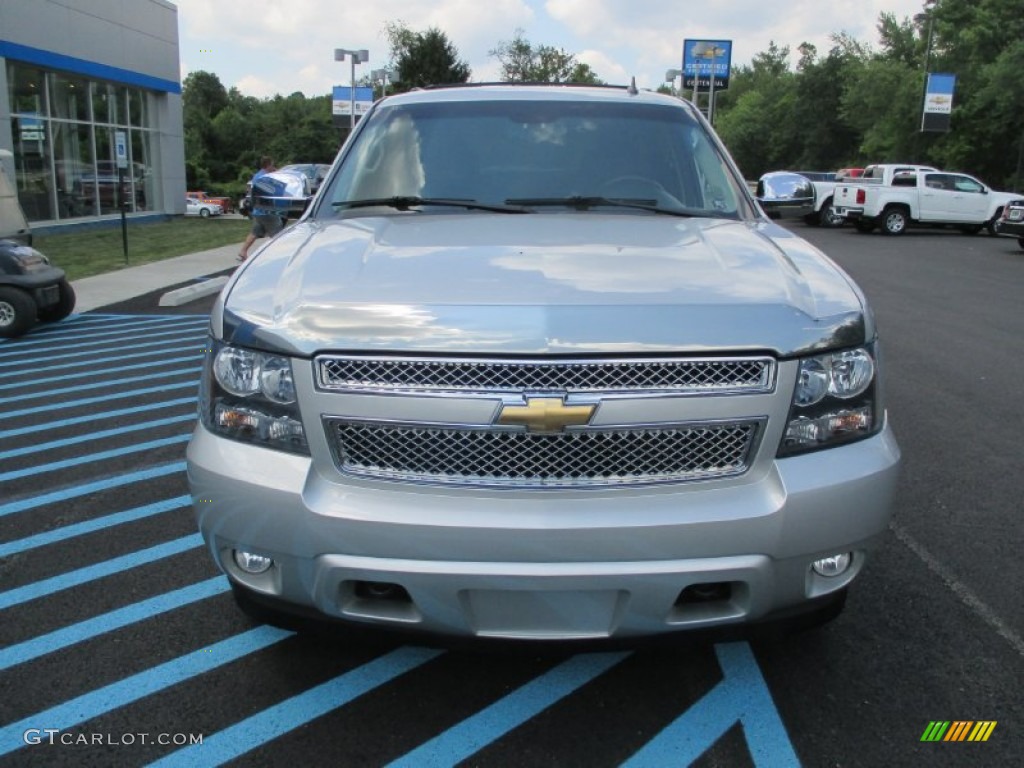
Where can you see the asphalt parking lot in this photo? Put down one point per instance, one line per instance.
(119, 642)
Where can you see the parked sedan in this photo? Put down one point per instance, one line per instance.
(1011, 223)
(195, 207)
(204, 197)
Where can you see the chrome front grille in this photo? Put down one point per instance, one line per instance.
(577, 457)
(740, 375)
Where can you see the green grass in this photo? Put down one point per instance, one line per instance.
(95, 251)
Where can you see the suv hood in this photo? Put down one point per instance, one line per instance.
(546, 283)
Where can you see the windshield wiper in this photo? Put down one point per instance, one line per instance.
(581, 203)
(405, 202)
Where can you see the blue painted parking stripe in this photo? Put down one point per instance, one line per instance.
(108, 622)
(92, 361)
(98, 416)
(121, 329)
(76, 578)
(89, 458)
(138, 686)
(68, 404)
(99, 385)
(92, 436)
(91, 526)
(94, 372)
(87, 489)
(290, 714)
(474, 733)
(741, 696)
(176, 332)
(92, 320)
(180, 338)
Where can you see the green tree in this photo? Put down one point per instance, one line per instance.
(203, 97)
(826, 139)
(521, 62)
(423, 58)
(882, 103)
(755, 116)
(980, 41)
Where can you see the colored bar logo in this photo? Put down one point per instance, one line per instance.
(958, 730)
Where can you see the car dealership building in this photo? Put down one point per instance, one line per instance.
(90, 89)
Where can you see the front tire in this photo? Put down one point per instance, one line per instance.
(204, 213)
(63, 308)
(17, 312)
(1020, 242)
(990, 225)
(894, 221)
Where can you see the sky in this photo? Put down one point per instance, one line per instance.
(270, 47)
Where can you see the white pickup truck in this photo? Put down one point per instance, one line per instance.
(919, 195)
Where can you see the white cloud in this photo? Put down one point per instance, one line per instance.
(289, 46)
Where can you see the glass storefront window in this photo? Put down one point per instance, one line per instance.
(26, 89)
(64, 129)
(143, 177)
(102, 184)
(109, 103)
(104, 103)
(73, 167)
(32, 176)
(138, 107)
(69, 97)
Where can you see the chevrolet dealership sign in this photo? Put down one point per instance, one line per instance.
(704, 58)
(938, 102)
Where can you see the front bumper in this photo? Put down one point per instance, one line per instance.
(1010, 228)
(43, 285)
(542, 565)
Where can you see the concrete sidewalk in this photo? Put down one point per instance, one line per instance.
(112, 287)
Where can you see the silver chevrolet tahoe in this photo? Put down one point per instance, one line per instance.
(535, 365)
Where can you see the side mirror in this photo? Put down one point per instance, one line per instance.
(785, 195)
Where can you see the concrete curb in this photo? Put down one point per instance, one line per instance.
(192, 292)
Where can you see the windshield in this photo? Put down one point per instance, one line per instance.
(540, 155)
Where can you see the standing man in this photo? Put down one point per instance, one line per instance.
(265, 222)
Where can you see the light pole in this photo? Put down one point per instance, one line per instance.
(356, 57)
(928, 15)
(384, 76)
(670, 77)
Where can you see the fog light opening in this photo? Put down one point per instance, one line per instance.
(252, 563)
(381, 590)
(835, 565)
(709, 592)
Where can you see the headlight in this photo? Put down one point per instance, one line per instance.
(29, 259)
(835, 401)
(250, 396)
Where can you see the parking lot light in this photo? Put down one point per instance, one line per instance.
(360, 56)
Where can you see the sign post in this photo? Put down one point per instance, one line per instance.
(121, 153)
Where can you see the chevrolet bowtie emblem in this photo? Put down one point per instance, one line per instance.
(545, 414)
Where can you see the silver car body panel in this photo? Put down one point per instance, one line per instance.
(668, 285)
